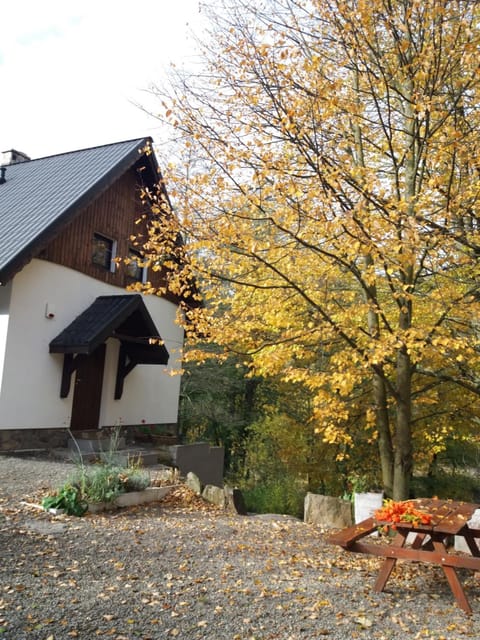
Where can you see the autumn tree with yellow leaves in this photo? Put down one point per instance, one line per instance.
(327, 190)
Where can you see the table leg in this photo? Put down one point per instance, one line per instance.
(471, 542)
(389, 563)
(419, 540)
(453, 580)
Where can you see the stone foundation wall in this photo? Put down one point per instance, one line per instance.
(32, 439)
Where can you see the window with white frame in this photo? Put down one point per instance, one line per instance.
(103, 251)
(134, 266)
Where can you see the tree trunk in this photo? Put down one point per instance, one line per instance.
(403, 461)
(385, 447)
(382, 419)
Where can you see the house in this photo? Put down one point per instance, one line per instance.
(78, 350)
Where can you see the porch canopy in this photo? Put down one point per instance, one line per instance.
(124, 317)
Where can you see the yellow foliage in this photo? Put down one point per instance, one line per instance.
(329, 198)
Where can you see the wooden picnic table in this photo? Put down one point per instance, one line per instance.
(429, 545)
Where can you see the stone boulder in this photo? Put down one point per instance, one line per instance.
(193, 482)
(327, 511)
(215, 495)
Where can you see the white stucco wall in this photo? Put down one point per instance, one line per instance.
(4, 316)
(30, 388)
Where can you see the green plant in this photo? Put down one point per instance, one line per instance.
(105, 482)
(358, 483)
(134, 479)
(282, 495)
(69, 498)
(101, 483)
(445, 485)
(110, 457)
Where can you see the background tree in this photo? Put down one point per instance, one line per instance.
(217, 403)
(329, 164)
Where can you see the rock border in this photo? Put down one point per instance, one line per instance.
(132, 499)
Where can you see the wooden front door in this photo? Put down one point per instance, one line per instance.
(87, 394)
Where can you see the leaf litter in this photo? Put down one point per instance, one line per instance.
(182, 568)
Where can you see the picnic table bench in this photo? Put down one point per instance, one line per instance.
(429, 545)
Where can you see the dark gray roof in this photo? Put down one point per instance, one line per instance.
(39, 196)
(124, 317)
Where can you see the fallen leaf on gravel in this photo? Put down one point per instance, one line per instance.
(364, 622)
(321, 603)
(192, 557)
(183, 497)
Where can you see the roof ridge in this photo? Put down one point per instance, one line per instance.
(99, 146)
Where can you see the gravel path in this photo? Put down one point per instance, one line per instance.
(180, 569)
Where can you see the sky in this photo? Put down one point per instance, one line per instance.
(73, 73)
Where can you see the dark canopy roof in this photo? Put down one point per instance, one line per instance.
(124, 317)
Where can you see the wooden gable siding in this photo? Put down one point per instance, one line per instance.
(113, 215)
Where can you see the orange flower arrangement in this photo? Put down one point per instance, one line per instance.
(394, 513)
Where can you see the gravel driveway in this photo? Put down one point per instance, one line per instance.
(181, 569)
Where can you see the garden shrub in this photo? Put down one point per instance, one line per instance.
(69, 498)
(98, 483)
(444, 485)
(279, 495)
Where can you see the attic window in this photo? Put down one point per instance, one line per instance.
(103, 251)
(134, 267)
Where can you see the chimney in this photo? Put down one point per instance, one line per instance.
(2, 175)
(13, 157)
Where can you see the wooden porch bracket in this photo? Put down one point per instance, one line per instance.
(125, 364)
(70, 364)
